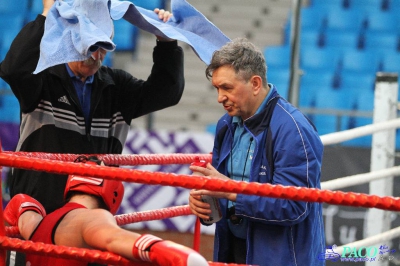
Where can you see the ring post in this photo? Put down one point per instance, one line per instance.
(382, 153)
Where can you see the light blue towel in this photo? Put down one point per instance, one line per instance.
(76, 28)
(72, 33)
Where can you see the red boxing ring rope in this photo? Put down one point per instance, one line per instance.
(121, 159)
(203, 182)
(89, 255)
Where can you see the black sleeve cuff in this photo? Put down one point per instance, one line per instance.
(168, 44)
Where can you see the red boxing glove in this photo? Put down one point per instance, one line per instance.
(165, 253)
(19, 204)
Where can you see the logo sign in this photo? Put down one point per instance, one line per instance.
(358, 254)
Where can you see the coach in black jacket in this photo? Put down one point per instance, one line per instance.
(81, 107)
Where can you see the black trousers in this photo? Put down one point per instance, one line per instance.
(237, 250)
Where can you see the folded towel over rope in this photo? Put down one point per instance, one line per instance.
(76, 28)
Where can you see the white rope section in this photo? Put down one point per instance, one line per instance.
(358, 179)
(338, 137)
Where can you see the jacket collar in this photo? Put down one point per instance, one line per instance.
(256, 123)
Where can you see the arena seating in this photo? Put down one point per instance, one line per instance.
(350, 40)
(369, 27)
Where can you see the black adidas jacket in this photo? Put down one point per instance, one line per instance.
(51, 116)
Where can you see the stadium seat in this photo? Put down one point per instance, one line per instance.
(311, 19)
(125, 35)
(392, 5)
(366, 5)
(341, 38)
(320, 59)
(149, 4)
(280, 77)
(310, 38)
(364, 102)
(283, 88)
(11, 22)
(382, 21)
(320, 78)
(345, 19)
(278, 74)
(355, 61)
(14, 7)
(381, 41)
(390, 62)
(330, 99)
(277, 56)
(329, 4)
(356, 84)
(311, 82)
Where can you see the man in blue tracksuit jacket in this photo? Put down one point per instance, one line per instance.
(263, 139)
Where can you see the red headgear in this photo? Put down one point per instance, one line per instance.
(111, 191)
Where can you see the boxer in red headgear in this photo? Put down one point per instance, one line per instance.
(87, 221)
(111, 192)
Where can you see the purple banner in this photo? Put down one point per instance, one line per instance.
(139, 197)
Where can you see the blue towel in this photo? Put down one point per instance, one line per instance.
(76, 28)
(72, 33)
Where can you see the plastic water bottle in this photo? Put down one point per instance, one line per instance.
(216, 213)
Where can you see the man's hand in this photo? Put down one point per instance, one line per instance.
(211, 172)
(47, 4)
(198, 207)
(164, 16)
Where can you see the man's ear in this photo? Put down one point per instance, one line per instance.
(256, 82)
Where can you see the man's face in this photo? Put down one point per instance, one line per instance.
(90, 66)
(235, 94)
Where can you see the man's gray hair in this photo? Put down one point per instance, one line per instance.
(245, 58)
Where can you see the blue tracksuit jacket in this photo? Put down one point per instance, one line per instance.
(280, 232)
